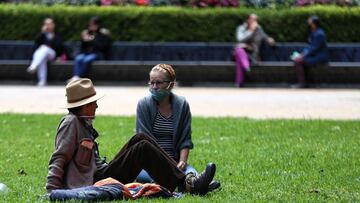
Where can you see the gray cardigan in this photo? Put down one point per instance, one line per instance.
(145, 116)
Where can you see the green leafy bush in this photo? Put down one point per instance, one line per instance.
(22, 22)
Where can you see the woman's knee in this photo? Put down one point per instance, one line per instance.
(79, 58)
(88, 59)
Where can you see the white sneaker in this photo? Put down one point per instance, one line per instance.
(31, 70)
(41, 83)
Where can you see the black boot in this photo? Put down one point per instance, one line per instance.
(214, 185)
(199, 185)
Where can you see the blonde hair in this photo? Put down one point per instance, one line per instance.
(167, 70)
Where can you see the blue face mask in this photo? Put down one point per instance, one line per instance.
(159, 95)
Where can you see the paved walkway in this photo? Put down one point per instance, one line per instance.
(248, 102)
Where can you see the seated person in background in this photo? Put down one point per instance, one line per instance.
(95, 45)
(316, 53)
(166, 118)
(48, 46)
(250, 36)
(76, 161)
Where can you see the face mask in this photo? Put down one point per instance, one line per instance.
(159, 95)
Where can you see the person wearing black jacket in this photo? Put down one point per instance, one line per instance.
(48, 46)
(95, 45)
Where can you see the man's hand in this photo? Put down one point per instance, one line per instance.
(181, 165)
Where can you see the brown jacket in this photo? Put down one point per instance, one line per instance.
(74, 161)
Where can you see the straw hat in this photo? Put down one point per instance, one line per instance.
(80, 92)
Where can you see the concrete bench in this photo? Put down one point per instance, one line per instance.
(189, 72)
(195, 62)
(185, 51)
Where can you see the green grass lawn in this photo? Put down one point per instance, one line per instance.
(257, 160)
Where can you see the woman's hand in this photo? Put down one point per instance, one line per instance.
(271, 41)
(184, 154)
(181, 165)
(44, 28)
(253, 26)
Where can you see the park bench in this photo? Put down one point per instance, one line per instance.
(195, 62)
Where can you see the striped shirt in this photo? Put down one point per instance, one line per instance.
(163, 130)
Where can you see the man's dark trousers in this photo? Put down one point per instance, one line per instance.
(142, 152)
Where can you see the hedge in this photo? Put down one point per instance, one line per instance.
(22, 22)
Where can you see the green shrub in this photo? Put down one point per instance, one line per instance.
(22, 22)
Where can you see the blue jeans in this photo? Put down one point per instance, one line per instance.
(144, 177)
(83, 62)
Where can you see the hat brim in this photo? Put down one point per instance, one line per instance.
(96, 97)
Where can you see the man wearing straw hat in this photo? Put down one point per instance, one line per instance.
(76, 161)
